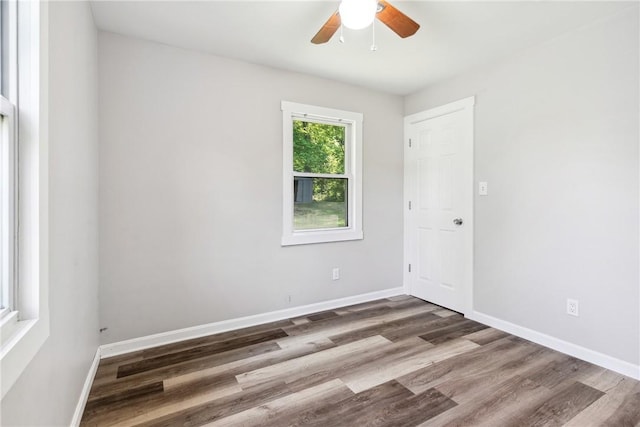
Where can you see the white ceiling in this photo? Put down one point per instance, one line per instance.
(455, 36)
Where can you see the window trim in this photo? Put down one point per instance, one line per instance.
(353, 171)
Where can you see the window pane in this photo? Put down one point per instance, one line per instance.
(318, 147)
(319, 203)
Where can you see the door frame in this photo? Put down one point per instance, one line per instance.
(467, 106)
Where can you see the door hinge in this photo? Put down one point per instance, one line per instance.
(409, 142)
(409, 204)
(409, 268)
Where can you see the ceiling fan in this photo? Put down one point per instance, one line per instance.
(357, 14)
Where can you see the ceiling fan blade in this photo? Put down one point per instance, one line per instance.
(400, 23)
(328, 29)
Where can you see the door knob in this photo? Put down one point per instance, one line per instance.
(457, 221)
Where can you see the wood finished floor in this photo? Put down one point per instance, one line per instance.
(392, 362)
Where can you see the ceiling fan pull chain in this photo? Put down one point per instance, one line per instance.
(373, 31)
(341, 36)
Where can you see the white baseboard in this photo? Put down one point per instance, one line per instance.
(600, 359)
(163, 338)
(86, 388)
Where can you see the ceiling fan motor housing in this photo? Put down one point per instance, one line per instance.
(358, 14)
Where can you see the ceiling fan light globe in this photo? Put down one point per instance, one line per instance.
(358, 14)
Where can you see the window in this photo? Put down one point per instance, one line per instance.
(24, 225)
(7, 207)
(8, 156)
(322, 176)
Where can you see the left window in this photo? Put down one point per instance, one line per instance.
(8, 156)
(24, 183)
(322, 174)
(7, 207)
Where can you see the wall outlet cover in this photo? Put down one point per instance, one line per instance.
(572, 307)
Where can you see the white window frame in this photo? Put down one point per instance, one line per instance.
(8, 190)
(25, 329)
(8, 157)
(353, 173)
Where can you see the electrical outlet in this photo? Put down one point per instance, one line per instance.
(336, 274)
(572, 307)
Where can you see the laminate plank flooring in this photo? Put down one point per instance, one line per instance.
(394, 362)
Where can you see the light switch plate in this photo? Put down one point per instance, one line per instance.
(483, 188)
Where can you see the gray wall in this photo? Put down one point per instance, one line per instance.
(190, 191)
(556, 137)
(48, 391)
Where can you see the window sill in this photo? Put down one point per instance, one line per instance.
(23, 340)
(8, 327)
(321, 236)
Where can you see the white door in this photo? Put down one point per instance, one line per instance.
(439, 197)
